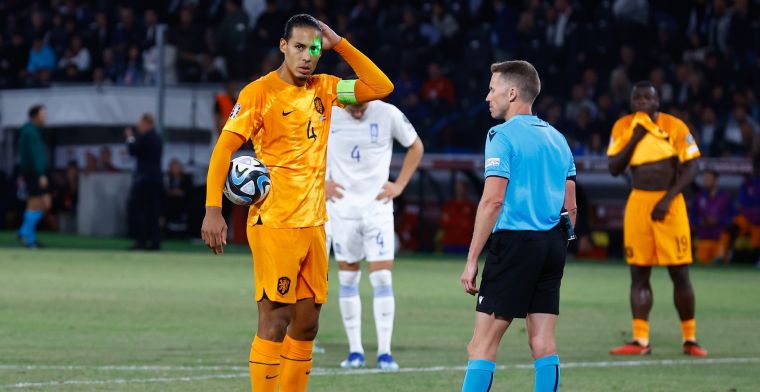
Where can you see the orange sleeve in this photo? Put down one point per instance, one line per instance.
(228, 143)
(684, 142)
(372, 83)
(621, 135)
(245, 118)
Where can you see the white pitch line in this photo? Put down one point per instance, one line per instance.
(123, 367)
(122, 381)
(328, 371)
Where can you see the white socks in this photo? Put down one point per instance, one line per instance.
(351, 309)
(384, 307)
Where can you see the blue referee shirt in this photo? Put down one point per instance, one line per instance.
(536, 159)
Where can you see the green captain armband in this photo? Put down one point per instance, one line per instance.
(346, 93)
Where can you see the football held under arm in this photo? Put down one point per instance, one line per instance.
(372, 83)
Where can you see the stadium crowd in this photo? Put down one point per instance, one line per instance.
(702, 55)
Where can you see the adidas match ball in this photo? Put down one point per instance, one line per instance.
(247, 182)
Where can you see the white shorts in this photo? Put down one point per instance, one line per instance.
(372, 238)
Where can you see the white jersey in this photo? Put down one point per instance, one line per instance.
(359, 156)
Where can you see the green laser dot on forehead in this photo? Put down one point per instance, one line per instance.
(316, 48)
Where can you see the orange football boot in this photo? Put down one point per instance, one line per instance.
(693, 349)
(632, 348)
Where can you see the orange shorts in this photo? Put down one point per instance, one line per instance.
(650, 243)
(289, 264)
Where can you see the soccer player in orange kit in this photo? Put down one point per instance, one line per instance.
(286, 114)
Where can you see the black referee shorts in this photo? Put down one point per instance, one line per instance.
(522, 273)
(33, 187)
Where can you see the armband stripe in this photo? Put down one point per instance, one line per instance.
(346, 92)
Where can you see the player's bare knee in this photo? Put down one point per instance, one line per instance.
(541, 346)
(345, 266)
(304, 330)
(273, 327)
(479, 349)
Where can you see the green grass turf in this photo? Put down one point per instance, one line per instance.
(88, 309)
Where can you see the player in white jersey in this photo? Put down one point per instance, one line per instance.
(359, 203)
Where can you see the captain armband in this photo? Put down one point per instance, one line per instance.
(570, 178)
(346, 92)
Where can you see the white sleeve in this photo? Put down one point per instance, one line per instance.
(403, 130)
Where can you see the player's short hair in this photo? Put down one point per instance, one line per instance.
(300, 20)
(523, 74)
(645, 84)
(148, 119)
(34, 111)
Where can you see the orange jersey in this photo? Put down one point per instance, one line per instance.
(667, 137)
(288, 126)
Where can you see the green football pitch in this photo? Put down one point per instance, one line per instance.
(101, 319)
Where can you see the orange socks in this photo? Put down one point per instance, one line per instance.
(689, 330)
(641, 331)
(264, 364)
(296, 364)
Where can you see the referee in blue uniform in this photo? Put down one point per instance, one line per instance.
(530, 179)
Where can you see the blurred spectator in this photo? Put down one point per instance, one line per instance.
(57, 37)
(90, 163)
(710, 132)
(147, 184)
(444, 23)
(437, 88)
(404, 85)
(620, 87)
(408, 40)
(133, 74)
(270, 24)
(99, 33)
(150, 64)
(111, 69)
(416, 111)
(457, 220)
(177, 197)
(579, 100)
(127, 32)
(150, 30)
(712, 212)
(718, 25)
(41, 56)
(66, 197)
(742, 133)
(747, 220)
(99, 78)
(631, 11)
(591, 88)
(105, 161)
(231, 38)
(696, 51)
(76, 54)
(583, 129)
(188, 38)
(665, 89)
(212, 69)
